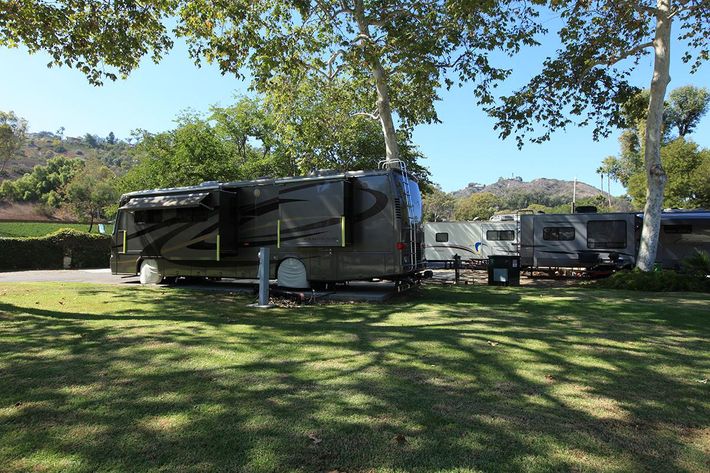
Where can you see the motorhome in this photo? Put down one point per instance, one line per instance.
(322, 228)
(471, 240)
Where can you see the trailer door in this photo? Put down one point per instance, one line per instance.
(500, 238)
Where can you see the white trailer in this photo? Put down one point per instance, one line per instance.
(473, 241)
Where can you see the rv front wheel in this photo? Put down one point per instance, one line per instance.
(292, 273)
(149, 273)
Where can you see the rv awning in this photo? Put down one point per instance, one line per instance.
(165, 201)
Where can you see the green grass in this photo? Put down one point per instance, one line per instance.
(35, 229)
(103, 378)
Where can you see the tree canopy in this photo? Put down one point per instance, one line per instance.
(393, 55)
(681, 159)
(253, 138)
(438, 206)
(686, 106)
(587, 82)
(13, 133)
(478, 206)
(90, 191)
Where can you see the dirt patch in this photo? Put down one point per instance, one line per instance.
(32, 212)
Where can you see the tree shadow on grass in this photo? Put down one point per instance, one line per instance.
(455, 379)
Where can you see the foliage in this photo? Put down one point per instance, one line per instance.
(103, 40)
(47, 252)
(253, 139)
(37, 229)
(90, 191)
(478, 206)
(437, 205)
(686, 107)
(686, 165)
(697, 264)
(393, 55)
(44, 184)
(655, 281)
(587, 82)
(13, 133)
(317, 127)
(190, 154)
(91, 140)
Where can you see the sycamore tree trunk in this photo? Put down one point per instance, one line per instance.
(384, 109)
(655, 175)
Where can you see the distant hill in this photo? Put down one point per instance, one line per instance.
(553, 187)
(517, 193)
(44, 145)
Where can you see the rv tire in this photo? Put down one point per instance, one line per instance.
(292, 274)
(149, 272)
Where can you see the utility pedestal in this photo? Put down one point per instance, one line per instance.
(263, 280)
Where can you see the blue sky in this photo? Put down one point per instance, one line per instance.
(462, 149)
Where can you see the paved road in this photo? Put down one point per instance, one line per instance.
(101, 276)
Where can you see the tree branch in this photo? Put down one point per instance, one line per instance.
(373, 116)
(620, 57)
(643, 9)
(683, 8)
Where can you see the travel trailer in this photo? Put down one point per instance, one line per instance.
(473, 241)
(582, 240)
(589, 240)
(322, 228)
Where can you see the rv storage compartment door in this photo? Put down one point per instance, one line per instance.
(228, 221)
(313, 214)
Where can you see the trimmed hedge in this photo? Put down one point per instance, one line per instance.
(655, 281)
(86, 250)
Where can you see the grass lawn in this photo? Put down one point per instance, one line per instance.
(104, 378)
(35, 229)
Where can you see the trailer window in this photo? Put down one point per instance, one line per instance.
(606, 234)
(678, 229)
(442, 237)
(500, 235)
(558, 233)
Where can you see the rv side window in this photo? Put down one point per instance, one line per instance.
(142, 217)
(195, 214)
(500, 235)
(606, 234)
(442, 237)
(558, 233)
(678, 229)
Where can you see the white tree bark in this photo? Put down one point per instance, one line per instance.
(384, 109)
(655, 175)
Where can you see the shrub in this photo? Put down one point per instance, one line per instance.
(655, 281)
(698, 263)
(86, 250)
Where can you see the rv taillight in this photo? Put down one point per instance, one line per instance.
(400, 245)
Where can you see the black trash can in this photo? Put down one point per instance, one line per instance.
(503, 270)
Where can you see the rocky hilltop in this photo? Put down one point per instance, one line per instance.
(554, 188)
